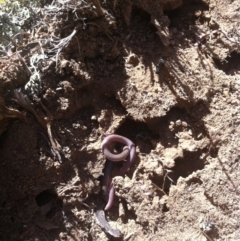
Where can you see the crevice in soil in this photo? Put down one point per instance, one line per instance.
(210, 199)
(230, 65)
(129, 214)
(191, 162)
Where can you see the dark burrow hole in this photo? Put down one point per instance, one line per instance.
(48, 202)
(139, 133)
(165, 208)
(139, 16)
(45, 197)
(230, 65)
(214, 151)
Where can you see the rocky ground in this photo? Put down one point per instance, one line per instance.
(165, 74)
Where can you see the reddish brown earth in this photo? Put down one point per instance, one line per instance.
(183, 116)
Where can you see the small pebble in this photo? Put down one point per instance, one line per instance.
(178, 122)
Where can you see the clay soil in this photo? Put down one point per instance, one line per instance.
(165, 74)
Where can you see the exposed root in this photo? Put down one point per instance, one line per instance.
(62, 44)
(45, 122)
